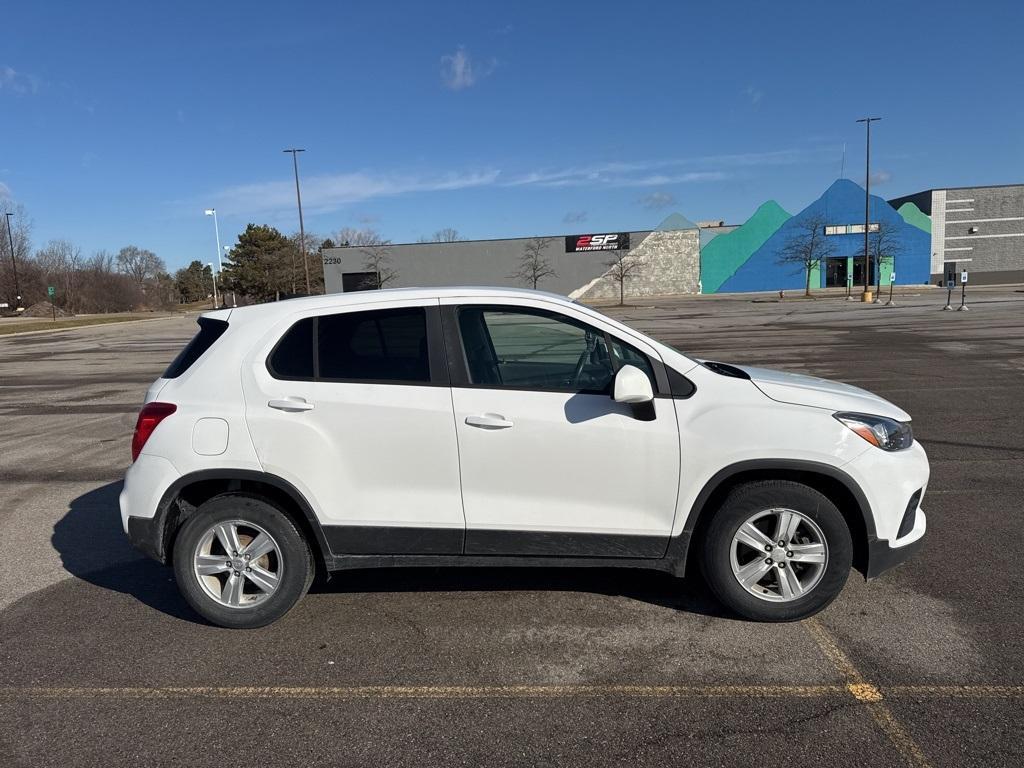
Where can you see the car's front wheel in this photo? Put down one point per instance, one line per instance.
(777, 551)
(240, 562)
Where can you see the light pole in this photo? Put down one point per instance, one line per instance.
(302, 231)
(866, 296)
(220, 264)
(214, 275)
(14, 265)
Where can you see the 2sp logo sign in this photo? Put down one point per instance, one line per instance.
(613, 241)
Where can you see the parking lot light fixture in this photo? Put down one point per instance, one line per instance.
(14, 264)
(298, 198)
(216, 232)
(866, 296)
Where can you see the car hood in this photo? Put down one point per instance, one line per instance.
(798, 389)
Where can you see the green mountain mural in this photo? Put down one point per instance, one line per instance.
(720, 258)
(915, 216)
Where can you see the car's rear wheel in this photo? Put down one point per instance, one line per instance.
(777, 551)
(241, 562)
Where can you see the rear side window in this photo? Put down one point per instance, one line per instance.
(292, 358)
(388, 346)
(383, 345)
(209, 331)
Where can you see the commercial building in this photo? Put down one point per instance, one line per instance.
(914, 240)
(581, 263)
(977, 229)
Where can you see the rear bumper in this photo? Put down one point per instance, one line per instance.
(146, 535)
(884, 555)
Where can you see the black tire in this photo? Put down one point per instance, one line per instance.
(296, 560)
(748, 499)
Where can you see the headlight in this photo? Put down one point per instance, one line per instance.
(887, 434)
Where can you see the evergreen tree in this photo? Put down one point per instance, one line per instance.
(260, 264)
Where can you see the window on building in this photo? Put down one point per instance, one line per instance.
(849, 229)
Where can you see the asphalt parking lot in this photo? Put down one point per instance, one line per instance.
(102, 663)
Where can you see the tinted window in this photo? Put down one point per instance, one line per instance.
(627, 355)
(292, 358)
(382, 345)
(209, 331)
(534, 350)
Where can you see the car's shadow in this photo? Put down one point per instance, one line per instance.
(93, 548)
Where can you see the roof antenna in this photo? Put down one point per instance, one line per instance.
(842, 166)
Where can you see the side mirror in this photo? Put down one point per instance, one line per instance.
(632, 386)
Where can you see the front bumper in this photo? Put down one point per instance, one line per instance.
(884, 555)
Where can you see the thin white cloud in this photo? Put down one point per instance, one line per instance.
(17, 83)
(655, 201)
(880, 177)
(326, 193)
(459, 70)
(574, 217)
(331, 192)
(754, 95)
(5, 192)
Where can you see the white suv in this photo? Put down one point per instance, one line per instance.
(485, 426)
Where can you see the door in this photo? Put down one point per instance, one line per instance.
(353, 408)
(551, 464)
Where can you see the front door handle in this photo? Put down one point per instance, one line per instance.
(291, 404)
(489, 421)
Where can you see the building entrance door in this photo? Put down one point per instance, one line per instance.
(835, 273)
(858, 271)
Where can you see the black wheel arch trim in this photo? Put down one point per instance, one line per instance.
(766, 465)
(154, 541)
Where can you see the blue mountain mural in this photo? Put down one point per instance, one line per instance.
(842, 203)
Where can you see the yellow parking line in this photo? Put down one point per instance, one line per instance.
(430, 691)
(862, 691)
(867, 694)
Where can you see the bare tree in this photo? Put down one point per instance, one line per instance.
(139, 264)
(808, 247)
(624, 266)
(61, 264)
(349, 236)
(883, 243)
(378, 260)
(534, 265)
(444, 235)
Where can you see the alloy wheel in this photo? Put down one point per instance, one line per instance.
(778, 555)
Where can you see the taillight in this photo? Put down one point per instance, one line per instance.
(149, 417)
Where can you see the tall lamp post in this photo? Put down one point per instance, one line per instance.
(866, 296)
(14, 265)
(302, 231)
(216, 232)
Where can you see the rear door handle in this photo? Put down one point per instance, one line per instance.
(489, 421)
(291, 404)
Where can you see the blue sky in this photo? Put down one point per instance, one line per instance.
(121, 122)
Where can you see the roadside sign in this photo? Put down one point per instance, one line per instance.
(963, 276)
(4, 305)
(950, 284)
(51, 291)
(892, 277)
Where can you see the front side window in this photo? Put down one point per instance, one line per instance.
(525, 349)
(387, 346)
